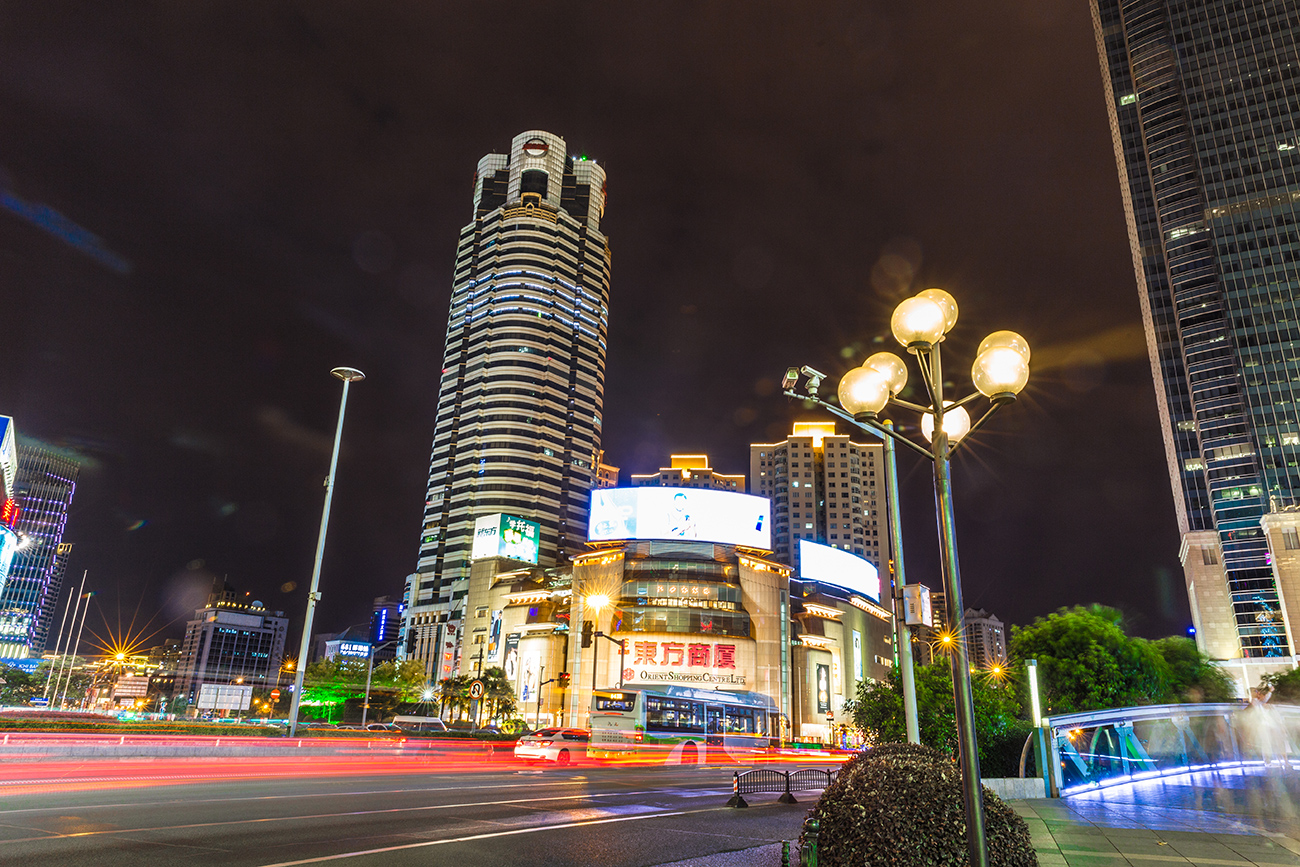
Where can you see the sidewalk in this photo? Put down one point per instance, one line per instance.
(1079, 834)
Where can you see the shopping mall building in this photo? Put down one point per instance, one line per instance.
(679, 588)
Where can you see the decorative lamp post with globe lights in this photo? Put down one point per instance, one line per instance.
(1000, 372)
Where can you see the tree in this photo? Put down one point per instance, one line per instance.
(1086, 662)
(1285, 684)
(75, 682)
(454, 694)
(328, 683)
(18, 687)
(878, 711)
(498, 694)
(1193, 676)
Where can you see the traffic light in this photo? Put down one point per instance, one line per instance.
(587, 628)
(411, 637)
(563, 680)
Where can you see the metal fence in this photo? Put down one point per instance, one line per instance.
(770, 780)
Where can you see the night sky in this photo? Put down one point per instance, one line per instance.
(278, 186)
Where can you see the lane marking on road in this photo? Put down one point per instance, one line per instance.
(425, 808)
(474, 837)
(285, 797)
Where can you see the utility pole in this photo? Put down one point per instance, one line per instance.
(84, 612)
(64, 656)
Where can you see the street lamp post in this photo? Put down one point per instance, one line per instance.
(598, 602)
(1000, 372)
(349, 375)
(902, 634)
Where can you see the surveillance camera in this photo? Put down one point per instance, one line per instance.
(791, 378)
(815, 378)
(812, 372)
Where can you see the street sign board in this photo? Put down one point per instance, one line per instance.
(214, 696)
(476, 689)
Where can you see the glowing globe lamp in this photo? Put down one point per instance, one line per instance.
(891, 367)
(947, 304)
(918, 322)
(1009, 339)
(863, 390)
(1000, 371)
(956, 423)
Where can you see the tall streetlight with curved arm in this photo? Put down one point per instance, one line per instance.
(349, 375)
(1000, 372)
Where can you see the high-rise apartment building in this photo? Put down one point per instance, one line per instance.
(44, 487)
(1206, 125)
(690, 471)
(826, 488)
(986, 637)
(519, 411)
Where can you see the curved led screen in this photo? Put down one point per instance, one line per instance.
(828, 565)
(702, 514)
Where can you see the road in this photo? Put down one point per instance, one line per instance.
(276, 812)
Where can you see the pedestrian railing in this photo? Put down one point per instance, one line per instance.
(1099, 748)
(770, 780)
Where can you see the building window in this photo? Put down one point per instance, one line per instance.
(1291, 540)
(1208, 557)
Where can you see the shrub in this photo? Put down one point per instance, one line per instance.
(1000, 751)
(901, 804)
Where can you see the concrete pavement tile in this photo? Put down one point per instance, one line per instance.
(1083, 844)
(1291, 844)
(1201, 849)
(1124, 833)
(1094, 859)
(1145, 847)
(1051, 859)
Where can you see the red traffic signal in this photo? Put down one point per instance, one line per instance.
(563, 679)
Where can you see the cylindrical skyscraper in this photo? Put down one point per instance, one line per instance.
(519, 412)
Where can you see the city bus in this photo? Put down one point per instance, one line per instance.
(680, 724)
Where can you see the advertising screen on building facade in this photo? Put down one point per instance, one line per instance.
(705, 515)
(828, 565)
(8, 455)
(8, 547)
(506, 536)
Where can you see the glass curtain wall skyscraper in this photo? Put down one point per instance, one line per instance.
(1203, 106)
(519, 410)
(45, 485)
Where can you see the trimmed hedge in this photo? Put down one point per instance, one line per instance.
(901, 804)
(105, 725)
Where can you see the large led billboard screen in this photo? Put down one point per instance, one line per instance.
(702, 514)
(828, 565)
(506, 536)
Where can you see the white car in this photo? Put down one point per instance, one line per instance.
(553, 745)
